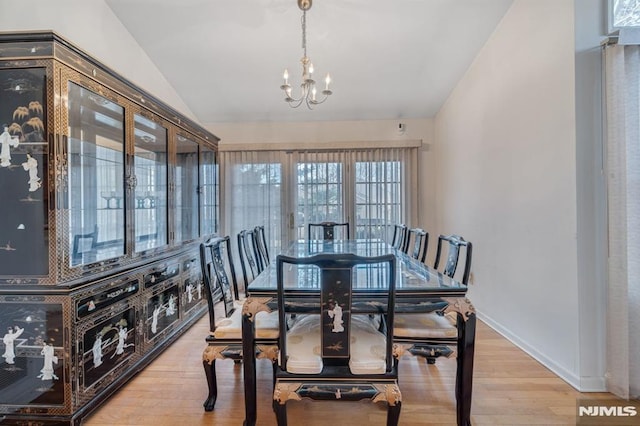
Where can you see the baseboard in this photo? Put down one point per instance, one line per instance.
(584, 384)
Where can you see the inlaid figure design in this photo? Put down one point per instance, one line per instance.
(7, 142)
(122, 336)
(49, 359)
(154, 321)
(171, 306)
(189, 291)
(336, 314)
(97, 351)
(8, 340)
(31, 165)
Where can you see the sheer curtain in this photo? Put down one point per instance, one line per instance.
(622, 78)
(252, 194)
(284, 190)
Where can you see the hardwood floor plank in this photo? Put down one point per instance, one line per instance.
(510, 388)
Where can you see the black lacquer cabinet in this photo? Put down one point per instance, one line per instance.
(105, 194)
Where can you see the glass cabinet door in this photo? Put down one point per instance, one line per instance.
(186, 190)
(209, 195)
(96, 177)
(150, 170)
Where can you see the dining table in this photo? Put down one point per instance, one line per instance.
(419, 288)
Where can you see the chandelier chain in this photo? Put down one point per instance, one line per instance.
(304, 32)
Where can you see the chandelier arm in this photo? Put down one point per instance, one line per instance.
(295, 103)
(316, 102)
(309, 103)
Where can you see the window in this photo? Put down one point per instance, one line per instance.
(319, 196)
(623, 14)
(378, 199)
(254, 196)
(285, 190)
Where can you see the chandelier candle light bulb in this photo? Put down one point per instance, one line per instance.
(308, 86)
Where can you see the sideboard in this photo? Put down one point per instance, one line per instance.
(105, 194)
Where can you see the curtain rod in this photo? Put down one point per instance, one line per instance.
(624, 37)
(324, 146)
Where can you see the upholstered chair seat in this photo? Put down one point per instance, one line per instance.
(367, 347)
(266, 324)
(425, 325)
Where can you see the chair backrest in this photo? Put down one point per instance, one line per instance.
(416, 243)
(329, 231)
(219, 275)
(399, 236)
(262, 246)
(456, 242)
(84, 247)
(336, 273)
(248, 253)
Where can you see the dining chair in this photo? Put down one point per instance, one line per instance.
(455, 244)
(262, 247)
(328, 230)
(84, 247)
(416, 243)
(248, 253)
(433, 334)
(399, 236)
(337, 352)
(225, 338)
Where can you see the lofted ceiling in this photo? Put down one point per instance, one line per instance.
(388, 59)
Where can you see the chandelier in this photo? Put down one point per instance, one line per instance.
(308, 85)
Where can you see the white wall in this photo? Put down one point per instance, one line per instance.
(92, 26)
(505, 148)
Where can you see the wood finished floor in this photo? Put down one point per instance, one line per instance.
(510, 388)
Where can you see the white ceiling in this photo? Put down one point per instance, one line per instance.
(388, 59)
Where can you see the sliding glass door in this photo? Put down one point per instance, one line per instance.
(286, 190)
(378, 197)
(319, 193)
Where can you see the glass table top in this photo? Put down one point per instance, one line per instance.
(413, 276)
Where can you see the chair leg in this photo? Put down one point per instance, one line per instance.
(393, 414)
(274, 364)
(281, 413)
(210, 373)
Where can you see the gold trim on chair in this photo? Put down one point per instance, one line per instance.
(388, 393)
(253, 305)
(286, 391)
(268, 352)
(400, 350)
(432, 351)
(460, 305)
(212, 353)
